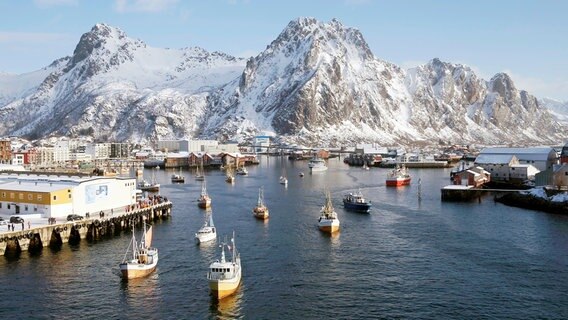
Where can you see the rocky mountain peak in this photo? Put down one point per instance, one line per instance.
(502, 84)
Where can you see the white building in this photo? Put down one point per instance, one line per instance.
(523, 172)
(201, 145)
(173, 145)
(261, 144)
(40, 196)
(497, 164)
(98, 150)
(541, 158)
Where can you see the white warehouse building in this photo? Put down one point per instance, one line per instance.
(56, 197)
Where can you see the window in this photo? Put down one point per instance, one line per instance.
(54, 197)
(26, 208)
(35, 208)
(30, 196)
(69, 196)
(12, 195)
(3, 194)
(8, 206)
(0, 205)
(39, 197)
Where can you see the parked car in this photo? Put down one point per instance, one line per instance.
(3, 222)
(74, 217)
(16, 219)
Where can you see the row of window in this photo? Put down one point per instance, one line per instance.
(220, 270)
(39, 197)
(9, 206)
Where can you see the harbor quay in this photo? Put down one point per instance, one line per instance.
(36, 233)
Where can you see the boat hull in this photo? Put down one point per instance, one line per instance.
(204, 204)
(262, 215)
(398, 182)
(223, 288)
(329, 226)
(360, 207)
(205, 238)
(133, 270)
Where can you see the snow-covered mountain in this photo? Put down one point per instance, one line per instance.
(118, 88)
(558, 109)
(315, 83)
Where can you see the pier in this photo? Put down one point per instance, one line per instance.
(468, 193)
(105, 224)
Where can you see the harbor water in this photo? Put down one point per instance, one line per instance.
(412, 257)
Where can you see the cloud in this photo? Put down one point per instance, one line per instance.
(52, 3)
(30, 37)
(123, 6)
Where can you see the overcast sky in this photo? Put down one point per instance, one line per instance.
(526, 39)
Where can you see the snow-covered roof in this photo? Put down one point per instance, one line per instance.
(535, 154)
(493, 159)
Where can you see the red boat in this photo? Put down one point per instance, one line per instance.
(398, 177)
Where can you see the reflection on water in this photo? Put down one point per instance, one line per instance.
(398, 261)
(228, 307)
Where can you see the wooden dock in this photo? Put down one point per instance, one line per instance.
(468, 193)
(96, 227)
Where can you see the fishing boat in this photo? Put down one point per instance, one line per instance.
(148, 186)
(398, 177)
(260, 211)
(151, 186)
(317, 164)
(178, 177)
(356, 202)
(207, 232)
(204, 200)
(225, 276)
(144, 258)
(230, 175)
(199, 174)
(328, 221)
(283, 180)
(242, 170)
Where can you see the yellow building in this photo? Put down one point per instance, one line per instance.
(59, 197)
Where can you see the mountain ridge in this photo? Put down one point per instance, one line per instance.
(316, 82)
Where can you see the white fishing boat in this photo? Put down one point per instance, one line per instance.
(178, 177)
(151, 186)
(242, 170)
(204, 200)
(144, 258)
(225, 276)
(328, 221)
(317, 164)
(207, 232)
(260, 211)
